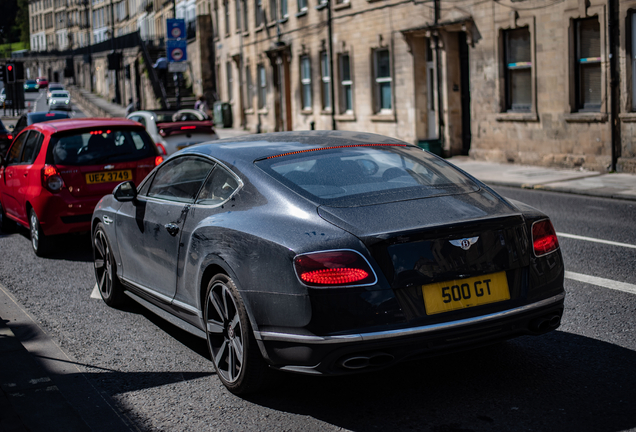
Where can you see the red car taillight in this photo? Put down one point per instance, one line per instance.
(158, 160)
(544, 238)
(344, 267)
(9, 136)
(51, 178)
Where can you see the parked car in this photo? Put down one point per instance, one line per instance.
(175, 130)
(3, 96)
(43, 82)
(53, 87)
(55, 172)
(31, 86)
(28, 119)
(60, 100)
(6, 137)
(326, 253)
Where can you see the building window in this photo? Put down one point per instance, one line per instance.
(302, 5)
(245, 16)
(230, 80)
(249, 88)
(518, 70)
(216, 20)
(262, 87)
(325, 74)
(283, 9)
(588, 65)
(382, 78)
(273, 10)
(237, 4)
(226, 9)
(346, 85)
(305, 82)
(258, 13)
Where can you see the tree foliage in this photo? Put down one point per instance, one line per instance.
(8, 12)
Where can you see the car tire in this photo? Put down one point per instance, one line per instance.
(6, 225)
(40, 242)
(231, 342)
(108, 283)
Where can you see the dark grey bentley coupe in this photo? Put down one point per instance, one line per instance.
(326, 253)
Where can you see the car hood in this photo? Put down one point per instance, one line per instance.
(380, 221)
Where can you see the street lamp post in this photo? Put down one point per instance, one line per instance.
(327, 4)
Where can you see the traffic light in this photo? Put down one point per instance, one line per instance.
(10, 71)
(2, 73)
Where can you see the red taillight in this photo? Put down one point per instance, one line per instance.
(9, 136)
(188, 127)
(158, 160)
(544, 238)
(161, 148)
(334, 268)
(51, 179)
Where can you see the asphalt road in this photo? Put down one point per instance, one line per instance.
(579, 378)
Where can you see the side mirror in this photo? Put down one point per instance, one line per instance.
(126, 191)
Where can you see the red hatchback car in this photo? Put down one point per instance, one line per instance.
(55, 172)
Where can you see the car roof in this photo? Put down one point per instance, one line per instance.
(62, 125)
(253, 147)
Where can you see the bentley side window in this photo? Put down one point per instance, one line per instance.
(180, 179)
(219, 186)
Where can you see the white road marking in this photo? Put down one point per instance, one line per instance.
(605, 283)
(95, 294)
(595, 240)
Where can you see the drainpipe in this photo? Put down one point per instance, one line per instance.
(615, 129)
(438, 65)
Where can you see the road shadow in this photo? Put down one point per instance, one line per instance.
(560, 381)
(68, 247)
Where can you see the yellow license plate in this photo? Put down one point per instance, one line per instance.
(108, 176)
(464, 293)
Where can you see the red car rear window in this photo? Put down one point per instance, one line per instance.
(100, 145)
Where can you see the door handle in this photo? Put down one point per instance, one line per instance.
(172, 229)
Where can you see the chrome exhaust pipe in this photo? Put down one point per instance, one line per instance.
(362, 361)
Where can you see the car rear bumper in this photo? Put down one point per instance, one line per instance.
(63, 214)
(347, 353)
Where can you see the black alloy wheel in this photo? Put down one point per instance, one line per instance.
(39, 241)
(236, 357)
(110, 288)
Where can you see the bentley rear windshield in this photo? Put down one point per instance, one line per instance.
(363, 175)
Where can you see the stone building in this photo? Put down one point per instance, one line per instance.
(528, 81)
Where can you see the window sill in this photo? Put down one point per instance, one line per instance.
(383, 117)
(517, 117)
(263, 111)
(246, 33)
(271, 24)
(325, 111)
(259, 28)
(284, 19)
(628, 117)
(346, 117)
(341, 6)
(248, 111)
(307, 111)
(321, 6)
(586, 117)
(302, 13)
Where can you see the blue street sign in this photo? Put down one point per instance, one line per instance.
(176, 28)
(177, 50)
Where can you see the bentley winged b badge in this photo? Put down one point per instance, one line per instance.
(464, 243)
